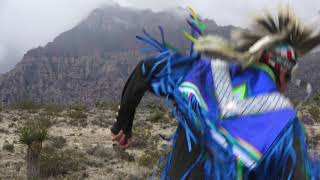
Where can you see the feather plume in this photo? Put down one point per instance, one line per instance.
(301, 37)
(266, 32)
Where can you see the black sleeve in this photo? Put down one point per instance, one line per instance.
(133, 91)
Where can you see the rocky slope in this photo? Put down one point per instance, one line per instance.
(308, 71)
(90, 62)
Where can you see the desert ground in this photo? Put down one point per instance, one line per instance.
(79, 146)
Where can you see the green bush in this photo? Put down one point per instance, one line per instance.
(149, 159)
(32, 134)
(317, 99)
(35, 130)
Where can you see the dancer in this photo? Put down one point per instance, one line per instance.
(234, 122)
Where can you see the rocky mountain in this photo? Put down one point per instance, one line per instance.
(308, 71)
(91, 62)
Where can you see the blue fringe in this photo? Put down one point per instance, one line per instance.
(166, 168)
(278, 156)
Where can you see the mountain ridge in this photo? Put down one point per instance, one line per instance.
(92, 61)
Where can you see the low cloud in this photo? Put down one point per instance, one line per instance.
(25, 24)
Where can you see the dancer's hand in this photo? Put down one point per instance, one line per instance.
(121, 139)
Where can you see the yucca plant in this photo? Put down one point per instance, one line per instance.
(33, 134)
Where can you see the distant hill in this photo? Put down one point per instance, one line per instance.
(91, 61)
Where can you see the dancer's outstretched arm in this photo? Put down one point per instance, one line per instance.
(134, 89)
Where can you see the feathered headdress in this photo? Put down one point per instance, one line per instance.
(266, 32)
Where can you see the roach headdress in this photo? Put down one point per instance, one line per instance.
(266, 33)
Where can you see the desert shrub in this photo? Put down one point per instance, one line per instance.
(95, 163)
(32, 111)
(155, 106)
(12, 125)
(159, 114)
(122, 154)
(317, 100)
(141, 137)
(315, 113)
(8, 147)
(101, 152)
(15, 119)
(155, 160)
(313, 143)
(79, 107)
(149, 158)
(106, 105)
(4, 131)
(41, 121)
(57, 142)
(156, 117)
(56, 163)
(126, 156)
(77, 114)
(78, 117)
(78, 122)
(45, 121)
(52, 110)
(102, 121)
(27, 105)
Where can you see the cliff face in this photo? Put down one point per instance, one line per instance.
(91, 62)
(308, 71)
(67, 79)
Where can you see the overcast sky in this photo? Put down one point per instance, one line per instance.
(25, 24)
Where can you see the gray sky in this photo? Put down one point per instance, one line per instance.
(25, 24)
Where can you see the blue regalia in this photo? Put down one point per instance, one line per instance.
(245, 124)
(242, 126)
